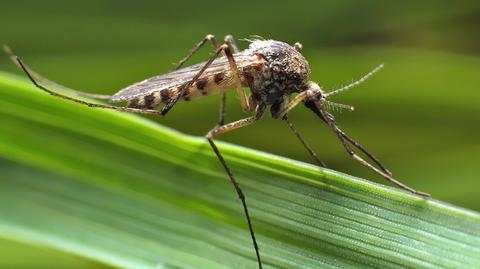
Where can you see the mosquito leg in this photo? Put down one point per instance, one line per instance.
(236, 74)
(187, 85)
(221, 117)
(282, 112)
(44, 80)
(305, 145)
(247, 107)
(224, 129)
(340, 134)
(287, 106)
(197, 47)
(126, 109)
(230, 41)
(368, 154)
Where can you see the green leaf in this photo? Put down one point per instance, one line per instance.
(122, 190)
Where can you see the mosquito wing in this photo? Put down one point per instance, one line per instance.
(177, 78)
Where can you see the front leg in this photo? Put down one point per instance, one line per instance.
(285, 106)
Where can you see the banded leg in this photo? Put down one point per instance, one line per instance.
(46, 81)
(224, 129)
(342, 136)
(305, 145)
(126, 109)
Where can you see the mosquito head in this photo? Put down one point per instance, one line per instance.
(314, 93)
(316, 101)
(316, 98)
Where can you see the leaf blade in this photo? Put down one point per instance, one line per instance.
(131, 170)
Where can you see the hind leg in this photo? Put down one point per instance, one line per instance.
(46, 81)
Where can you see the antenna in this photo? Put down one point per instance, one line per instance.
(353, 84)
(330, 104)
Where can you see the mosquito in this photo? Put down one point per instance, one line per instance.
(277, 75)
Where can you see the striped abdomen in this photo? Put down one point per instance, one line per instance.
(204, 86)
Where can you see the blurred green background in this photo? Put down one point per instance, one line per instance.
(420, 115)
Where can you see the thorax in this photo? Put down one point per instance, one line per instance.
(278, 70)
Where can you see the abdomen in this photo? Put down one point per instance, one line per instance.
(204, 86)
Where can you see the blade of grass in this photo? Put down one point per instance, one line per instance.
(122, 190)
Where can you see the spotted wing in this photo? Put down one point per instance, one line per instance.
(179, 77)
